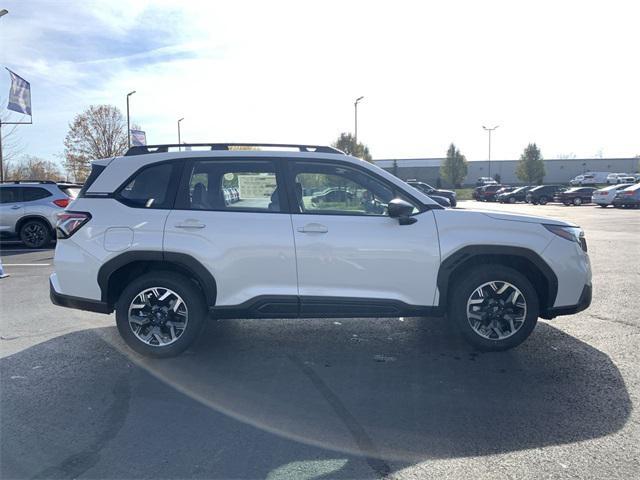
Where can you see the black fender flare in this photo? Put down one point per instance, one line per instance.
(183, 260)
(459, 257)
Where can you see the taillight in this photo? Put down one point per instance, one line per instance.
(70, 222)
(62, 202)
(628, 193)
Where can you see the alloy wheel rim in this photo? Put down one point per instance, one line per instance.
(158, 316)
(496, 310)
(34, 234)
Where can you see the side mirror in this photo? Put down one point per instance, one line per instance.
(398, 208)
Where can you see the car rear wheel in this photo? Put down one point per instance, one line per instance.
(512, 199)
(160, 314)
(543, 200)
(35, 234)
(494, 308)
(577, 201)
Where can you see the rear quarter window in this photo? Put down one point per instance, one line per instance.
(30, 194)
(152, 187)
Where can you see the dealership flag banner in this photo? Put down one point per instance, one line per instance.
(19, 95)
(138, 138)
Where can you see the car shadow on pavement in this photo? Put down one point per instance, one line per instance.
(254, 397)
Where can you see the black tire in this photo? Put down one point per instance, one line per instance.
(35, 234)
(535, 202)
(566, 204)
(464, 288)
(577, 201)
(189, 293)
(512, 199)
(603, 205)
(454, 203)
(543, 200)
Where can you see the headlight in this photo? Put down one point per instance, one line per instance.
(573, 234)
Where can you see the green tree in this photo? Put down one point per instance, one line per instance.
(530, 168)
(347, 143)
(454, 168)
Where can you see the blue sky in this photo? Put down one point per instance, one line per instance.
(562, 74)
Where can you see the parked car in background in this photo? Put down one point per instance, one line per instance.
(589, 178)
(542, 194)
(627, 179)
(502, 191)
(488, 193)
(28, 209)
(482, 181)
(516, 195)
(628, 198)
(614, 178)
(575, 196)
(604, 196)
(441, 200)
(429, 190)
(476, 193)
(335, 194)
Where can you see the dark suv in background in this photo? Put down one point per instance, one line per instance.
(429, 190)
(543, 194)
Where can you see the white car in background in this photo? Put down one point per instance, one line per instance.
(605, 196)
(589, 178)
(615, 178)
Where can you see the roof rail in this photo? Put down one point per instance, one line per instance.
(163, 148)
(28, 181)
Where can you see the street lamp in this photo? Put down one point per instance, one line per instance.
(3, 12)
(490, 130)
(355, 106)
(128, 124)
(180, 148)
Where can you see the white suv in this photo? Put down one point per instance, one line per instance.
(312, 233)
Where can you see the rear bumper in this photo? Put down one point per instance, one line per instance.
(77, 303)
(583, 304)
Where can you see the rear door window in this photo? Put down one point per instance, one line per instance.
(240, 185)
(10, 195)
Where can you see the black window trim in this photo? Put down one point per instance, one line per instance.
(177, 172)
(331, 162)
(181, 200)
(25, 200)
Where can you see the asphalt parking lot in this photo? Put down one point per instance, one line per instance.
(387, 398)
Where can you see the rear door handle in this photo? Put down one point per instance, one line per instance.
(16, 207)
(313, 228)
(190, 224)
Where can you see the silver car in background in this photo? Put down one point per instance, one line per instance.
(28, 209)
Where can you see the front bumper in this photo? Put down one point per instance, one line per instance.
(583, 304)
(77, 302)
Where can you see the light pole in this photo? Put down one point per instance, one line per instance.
(3, 12)
(355, 106)
(180, 148)
(490, 130)
(128, 124)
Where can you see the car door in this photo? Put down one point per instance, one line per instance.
(244, 241)
(351, 256)
(11, 208)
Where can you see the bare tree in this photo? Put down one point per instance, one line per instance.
(98, 132)
(32, 168)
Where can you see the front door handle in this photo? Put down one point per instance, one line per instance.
(313, 228)
(190, 224)
(16, 207)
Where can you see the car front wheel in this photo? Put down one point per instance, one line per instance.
(35, 234)
(577, 201)
(494, 308)
(160, 314)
